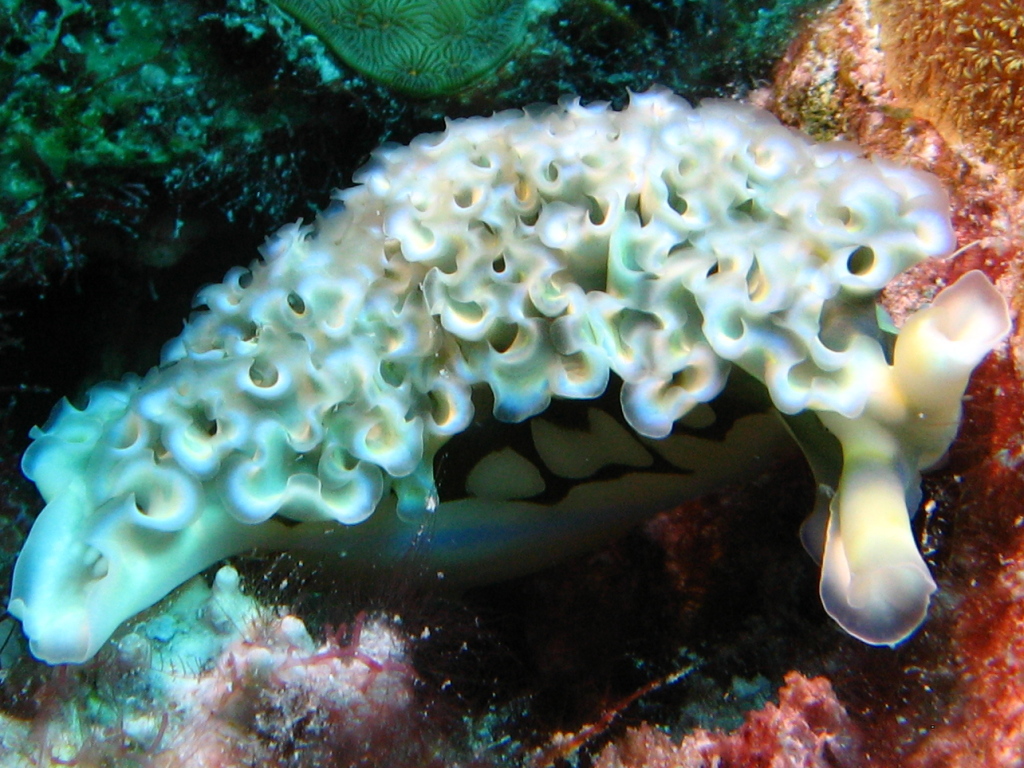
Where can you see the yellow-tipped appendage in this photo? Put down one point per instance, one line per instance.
(874, 582)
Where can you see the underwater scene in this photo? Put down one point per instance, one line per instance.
(511, 383)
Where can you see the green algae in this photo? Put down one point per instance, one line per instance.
(104, 103)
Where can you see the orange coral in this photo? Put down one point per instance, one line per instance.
(960, 65)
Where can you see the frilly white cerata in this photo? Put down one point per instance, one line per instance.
(534, 329)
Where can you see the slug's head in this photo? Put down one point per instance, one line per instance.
(874, 582)
(108, 544)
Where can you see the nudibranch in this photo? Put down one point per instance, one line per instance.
(528, 332)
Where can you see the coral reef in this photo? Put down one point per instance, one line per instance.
(960, 65)
(719, 587)
(834, 81)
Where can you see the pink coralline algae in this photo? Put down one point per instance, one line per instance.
(274, 698)
(808, 728)
(212, 680)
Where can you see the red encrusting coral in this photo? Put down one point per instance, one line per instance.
(984, 724)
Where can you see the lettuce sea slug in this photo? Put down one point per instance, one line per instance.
(528, 332)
